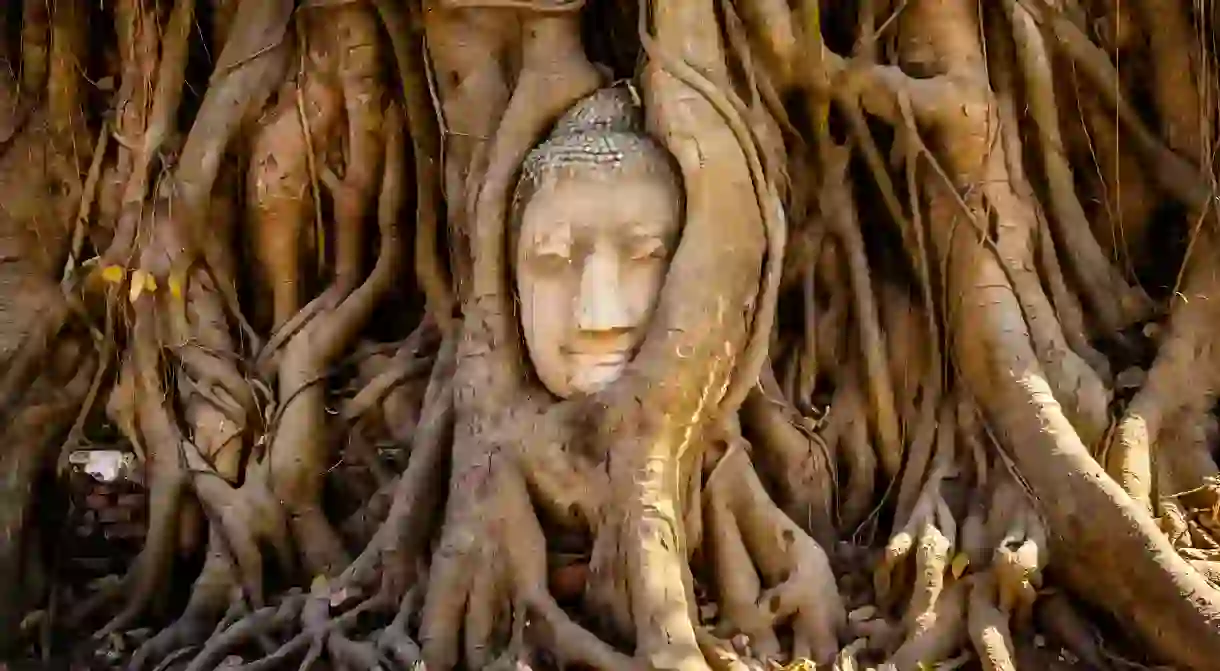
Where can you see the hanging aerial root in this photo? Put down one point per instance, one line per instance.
(303, 122)
(1102, 284)
(430, 271)
(930, 532)
(842, 220)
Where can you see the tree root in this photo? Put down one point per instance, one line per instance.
(746, 529)
(655, 523)
(481, 575)
(49, 408)
(802, 457)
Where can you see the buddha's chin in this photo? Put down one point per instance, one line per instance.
(591, 376)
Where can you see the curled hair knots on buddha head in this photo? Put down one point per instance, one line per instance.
(601, 135)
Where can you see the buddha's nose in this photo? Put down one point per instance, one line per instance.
(602, 305)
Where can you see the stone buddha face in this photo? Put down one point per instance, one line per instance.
(598, 211)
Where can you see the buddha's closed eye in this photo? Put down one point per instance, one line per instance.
(550, 261)
(647, 249)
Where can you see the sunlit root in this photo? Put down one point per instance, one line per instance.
(930, 532)
(939, 634)
(745, 529)
(846, 660)
(1180, 380)
(988, 625)
(1017, 565)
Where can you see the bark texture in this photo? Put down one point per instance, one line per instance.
(931, 381)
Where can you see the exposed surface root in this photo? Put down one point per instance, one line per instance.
(794, 584)
(949, 407)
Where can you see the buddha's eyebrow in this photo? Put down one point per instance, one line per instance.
(647, 229)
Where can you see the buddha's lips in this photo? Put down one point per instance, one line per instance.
(610, 358)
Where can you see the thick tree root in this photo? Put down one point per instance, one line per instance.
(697, 513)
(744, 529)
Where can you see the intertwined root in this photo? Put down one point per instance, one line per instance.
(968, 585)
(489, 578)
(1007, 272)
(793, 584)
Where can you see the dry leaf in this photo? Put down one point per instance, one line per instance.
(137, 285)
(960, 562)
(113, 274)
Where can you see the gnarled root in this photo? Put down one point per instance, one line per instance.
(277, 504)
(1181, 380)
(798, 456)
(744, 529)
(489, 575)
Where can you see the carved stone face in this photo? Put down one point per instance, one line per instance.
(592, 252)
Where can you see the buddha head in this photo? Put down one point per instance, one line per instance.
(597, 213)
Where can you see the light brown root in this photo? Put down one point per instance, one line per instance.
(489, 572)
(988, 627)
(1180, 379)
(249, 68)
(430, 272)
(799, 457)
(363, 99)
(278, 179)
(930, 532)
(1017, 565)
(938, 635)
(297, 455)
(1101, 282)
(797, 585)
